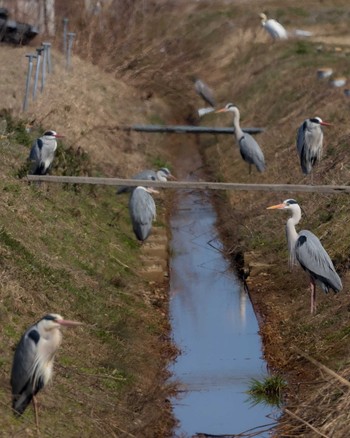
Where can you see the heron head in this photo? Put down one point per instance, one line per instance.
(263, 16)
(288, 204)
(229, 107)
(52, 135)
(319, 121)
(164, 174)
(53, 321)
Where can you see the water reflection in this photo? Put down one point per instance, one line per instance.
(215, 327)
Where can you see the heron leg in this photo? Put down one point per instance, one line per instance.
(313, 296)
(36, 414)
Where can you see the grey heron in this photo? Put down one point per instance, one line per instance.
(163, 174)
(273, 27)
(142, 209)
(307, 249)
(248, 147)
(33, 360)
(204, 91)
(43, 152)
(310, 143)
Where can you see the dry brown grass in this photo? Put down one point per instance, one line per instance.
(154, 53)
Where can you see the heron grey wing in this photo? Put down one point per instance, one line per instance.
(23, 361)
(301, 138)
(314, 139)
(146, 175)
(313, 258)
(35, 152)
(142, 210)
(303, 149)
(205, 92)
(142, 205)
(251, 152)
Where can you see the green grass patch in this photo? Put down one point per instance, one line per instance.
(269, 390)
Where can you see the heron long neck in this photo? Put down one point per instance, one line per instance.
(292, 235)
(238, 131)
(160, 176)
(43, 364)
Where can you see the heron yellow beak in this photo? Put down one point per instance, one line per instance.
(68, 323)
(279, 206)
(172, 177)
(152, 190)
(326, 124)
(222, 110)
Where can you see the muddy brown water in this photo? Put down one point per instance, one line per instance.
(213, 322)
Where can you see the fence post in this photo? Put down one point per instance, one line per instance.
(71, 36)
(30, 57)
(37, 69)
(43, 73)
(48, 56)
(65, 28)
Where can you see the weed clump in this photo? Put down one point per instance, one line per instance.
(268, 390)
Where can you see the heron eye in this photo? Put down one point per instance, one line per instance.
(49, 133)
(315, 120)
(291, 201)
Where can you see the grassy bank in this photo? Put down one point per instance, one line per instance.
(71, 250)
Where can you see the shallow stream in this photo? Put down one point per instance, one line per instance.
(214, 326)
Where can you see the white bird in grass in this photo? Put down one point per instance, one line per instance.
(307, 249)
(310, 143)
(273, 27)
(43, 151)
(248, 147)
(142, 209)
(33, 360)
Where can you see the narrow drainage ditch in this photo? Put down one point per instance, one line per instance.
(213, 321)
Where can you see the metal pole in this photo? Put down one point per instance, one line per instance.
(182, 129)
(71, 36)
(48, 56)
(37, 69)
(30, 57)
(65, 29)
(43, 74)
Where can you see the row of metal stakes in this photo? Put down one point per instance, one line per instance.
(43, 59)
